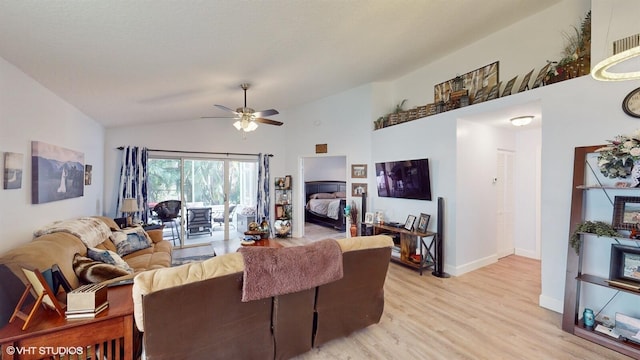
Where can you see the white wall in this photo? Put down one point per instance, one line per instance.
(205, 135)
(322, 168)
(343, 122)
(476, 216)
(30, 112)
(527, 193)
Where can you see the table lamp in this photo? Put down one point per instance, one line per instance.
(129, 206)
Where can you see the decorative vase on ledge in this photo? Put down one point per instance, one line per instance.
(635, 174)
(354, 230)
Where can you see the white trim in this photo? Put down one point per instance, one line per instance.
(474, 265)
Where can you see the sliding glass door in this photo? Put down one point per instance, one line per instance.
(214, 193)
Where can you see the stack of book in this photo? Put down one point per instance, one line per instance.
(87, 301)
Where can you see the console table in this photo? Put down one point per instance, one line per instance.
(110, 335)
(408, 243)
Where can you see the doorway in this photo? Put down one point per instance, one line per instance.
(211, 191)
(319, 168)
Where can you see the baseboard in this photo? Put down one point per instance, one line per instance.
(474, 265)
(551, 303)
(527, 253)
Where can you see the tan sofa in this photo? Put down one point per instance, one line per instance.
(59, 248)
(195, 311)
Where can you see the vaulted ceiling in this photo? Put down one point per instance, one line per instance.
(133, 62)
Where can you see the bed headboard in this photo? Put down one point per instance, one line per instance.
(314, 187)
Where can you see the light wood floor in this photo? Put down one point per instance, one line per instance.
(491, 313)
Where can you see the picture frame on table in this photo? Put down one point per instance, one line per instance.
(408, 225)
(287, 182)
(423, 223)
(368, 218)
(40, 289)
(359, 171)
(626, 212)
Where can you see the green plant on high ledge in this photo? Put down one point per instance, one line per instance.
(575, 55)
(399, 107)
(599, 228)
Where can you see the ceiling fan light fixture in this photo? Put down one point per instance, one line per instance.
(521, 120)
(251, 126)
(245, 125)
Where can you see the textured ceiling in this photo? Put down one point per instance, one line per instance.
(127, 62)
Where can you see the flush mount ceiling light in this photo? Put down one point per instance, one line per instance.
(521, 120)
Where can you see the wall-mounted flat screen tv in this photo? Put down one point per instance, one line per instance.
(408, 179)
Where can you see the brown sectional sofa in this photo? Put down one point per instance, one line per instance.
(195, 311)
(59, 248)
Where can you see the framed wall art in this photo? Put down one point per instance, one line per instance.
(524, 85)
(494, 91)
(87, 174)
(57, 173)
(13, 170)
(626, 212)
(625, 263)
(357, 189)
(509, 87)
(359, 171)
(484, 77)
(543, 72)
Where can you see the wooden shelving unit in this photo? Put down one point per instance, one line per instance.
(407, 243)
(283, 209)
(575, 278)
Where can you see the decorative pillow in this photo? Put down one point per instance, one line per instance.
(322, 196)
(340, 194)
(91, 271)
(108, 257)
(130, 240)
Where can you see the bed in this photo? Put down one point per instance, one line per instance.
(325, 202)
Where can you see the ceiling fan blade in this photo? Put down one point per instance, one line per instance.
(225, 108)
(266, 113)
(218, 117)
(268, 121)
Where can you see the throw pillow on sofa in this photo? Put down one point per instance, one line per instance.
(91, 271)
(130, 240)
(108, 257)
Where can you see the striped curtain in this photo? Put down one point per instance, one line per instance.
(133, 181)
(264, 181)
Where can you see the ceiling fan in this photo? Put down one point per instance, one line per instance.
(246, 117)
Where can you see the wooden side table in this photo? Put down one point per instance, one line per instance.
(110, 335)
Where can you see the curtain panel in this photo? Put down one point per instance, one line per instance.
(133, 181)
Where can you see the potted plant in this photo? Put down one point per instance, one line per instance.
(621, 158)
(353, 216)
(599, 228)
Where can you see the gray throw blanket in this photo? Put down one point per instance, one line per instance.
(270, 272)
